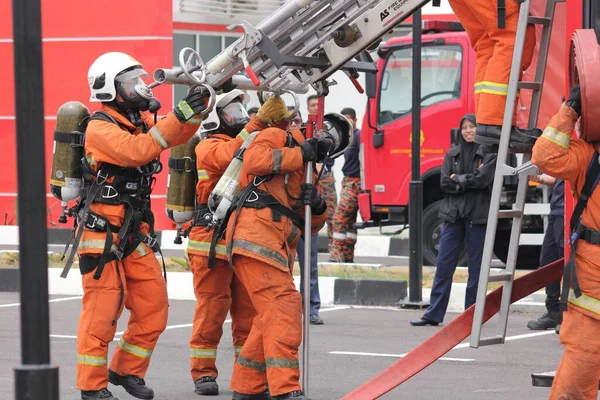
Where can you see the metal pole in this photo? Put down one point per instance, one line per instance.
(416, 186)
(318, 119)
(35, 378)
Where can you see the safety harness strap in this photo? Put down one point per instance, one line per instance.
(260, 199)
(74, 138)
(185, 164)
(579, 231)
(501, 14)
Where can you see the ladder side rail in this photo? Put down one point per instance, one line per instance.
(511, 262)
(515, 75)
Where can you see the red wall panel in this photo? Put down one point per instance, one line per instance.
(75, 33)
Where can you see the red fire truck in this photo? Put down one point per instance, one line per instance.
(447, 69)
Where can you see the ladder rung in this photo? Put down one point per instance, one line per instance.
(491, 340)
(527, 168)
(539, 21)
(509, 213)
(501, 277)
(530, 85)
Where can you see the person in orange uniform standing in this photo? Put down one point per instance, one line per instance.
(557, 154)
(262, 236)
(117, 247)
(494, 47)
(218, 290)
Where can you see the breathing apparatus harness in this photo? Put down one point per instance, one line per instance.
(114, 185)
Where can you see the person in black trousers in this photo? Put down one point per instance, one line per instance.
(553, 248)
(467, 175)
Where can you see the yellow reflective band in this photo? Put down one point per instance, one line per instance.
(261, 251)
(556, 136)
(203, 353)
(584, 301)
(202, 174)
(488, 83)
(248, 363)
(185, 109)
(91, 161)
(243, 134)
(94, 245)
(339, 236)
(141, 250)
(237, 350)
(159, 137)
(500, 89)
(281, 363)
(94, 361)
(350, 235)
(135, 350)
(194, 121)
(205, 246)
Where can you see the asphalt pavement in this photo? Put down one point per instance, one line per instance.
(353, 346)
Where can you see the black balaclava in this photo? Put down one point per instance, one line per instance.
(467, 149)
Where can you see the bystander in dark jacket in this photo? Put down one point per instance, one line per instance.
(466, 179)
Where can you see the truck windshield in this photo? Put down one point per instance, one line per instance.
(441, 80)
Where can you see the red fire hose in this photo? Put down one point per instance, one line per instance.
(584, 68)
(451, 335)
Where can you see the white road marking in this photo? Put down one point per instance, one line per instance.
(509, 338)
(63, 336)
(51, 301)
(459, 346)
(357, 353)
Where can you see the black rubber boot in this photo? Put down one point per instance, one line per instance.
(207, 386)
(296, 394)
(132, 384)
(103, 393)
(260, 396)
(547, 321)
(521, 139)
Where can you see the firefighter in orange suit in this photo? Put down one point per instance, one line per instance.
(218, 290)
(494, 47)
(559, 155)
(262, 235)
(116, 247)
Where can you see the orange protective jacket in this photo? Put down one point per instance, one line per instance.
(213, 156)
(256, 234)
(110, 143)
(557, 154)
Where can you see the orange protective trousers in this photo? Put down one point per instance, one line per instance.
(145, 296)
(494, 48)
(271, 350)
(579, 369)
(218, 291)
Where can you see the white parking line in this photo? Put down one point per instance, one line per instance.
(63, 336)
(459, 346)
(357, 353)
(51, 301)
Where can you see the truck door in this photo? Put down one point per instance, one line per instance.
(445, 99)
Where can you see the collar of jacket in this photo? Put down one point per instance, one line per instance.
(124, 121)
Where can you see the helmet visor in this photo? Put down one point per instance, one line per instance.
(234, 114)
(131, 83)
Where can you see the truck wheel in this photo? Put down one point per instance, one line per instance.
(528, 258)
(432, 232)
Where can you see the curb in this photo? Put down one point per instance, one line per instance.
(369, 292)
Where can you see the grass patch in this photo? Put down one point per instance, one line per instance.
(180, 264)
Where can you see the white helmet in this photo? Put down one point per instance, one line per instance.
(214, 121)
(102, 74)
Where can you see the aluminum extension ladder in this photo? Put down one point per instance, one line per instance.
(502, 170)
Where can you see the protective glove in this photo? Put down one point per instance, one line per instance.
(324, 146)
(312, 198)
(194, 103)
(226, 87)
(574, 100)
(309, 149)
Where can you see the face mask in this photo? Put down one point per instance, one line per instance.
(233, 117)
(137, 96)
